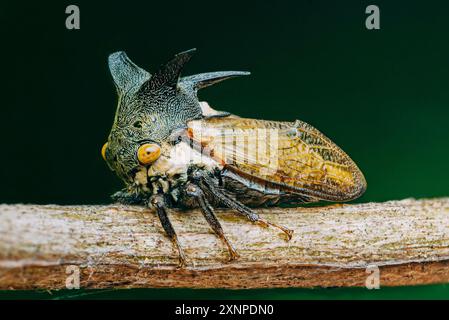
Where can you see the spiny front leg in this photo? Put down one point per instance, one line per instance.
(195, 192)
(158, 202)
(126, 197)
(206, 183)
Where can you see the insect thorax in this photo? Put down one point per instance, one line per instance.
(171, 170)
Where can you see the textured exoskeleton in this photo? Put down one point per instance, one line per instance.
(171, 150)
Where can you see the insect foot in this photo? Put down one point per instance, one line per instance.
(181, 256)
(285, 230)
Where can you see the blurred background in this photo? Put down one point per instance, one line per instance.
(381, 95)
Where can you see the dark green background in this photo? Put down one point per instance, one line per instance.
(382, 95)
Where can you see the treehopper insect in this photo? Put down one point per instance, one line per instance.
(171, 150)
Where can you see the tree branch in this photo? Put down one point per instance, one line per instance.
(118, 246)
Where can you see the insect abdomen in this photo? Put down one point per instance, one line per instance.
(256, 193)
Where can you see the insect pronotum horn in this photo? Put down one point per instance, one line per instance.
(202, 80)
(125, 73)
(168, 74)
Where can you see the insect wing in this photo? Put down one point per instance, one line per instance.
(293, 156)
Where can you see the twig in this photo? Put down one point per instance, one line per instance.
(118, 246)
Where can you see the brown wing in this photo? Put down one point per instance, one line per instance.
(292, 155)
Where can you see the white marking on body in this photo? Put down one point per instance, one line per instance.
(141, 179)
(181, 157)
(207, 110)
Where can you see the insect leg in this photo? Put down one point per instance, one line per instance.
(205, 183)
(126, 197)
(157, 201)
(208, 212)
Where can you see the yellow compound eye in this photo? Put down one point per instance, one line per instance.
(148, 153)
(103, 151)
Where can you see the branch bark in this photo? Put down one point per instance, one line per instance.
(118, 246)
